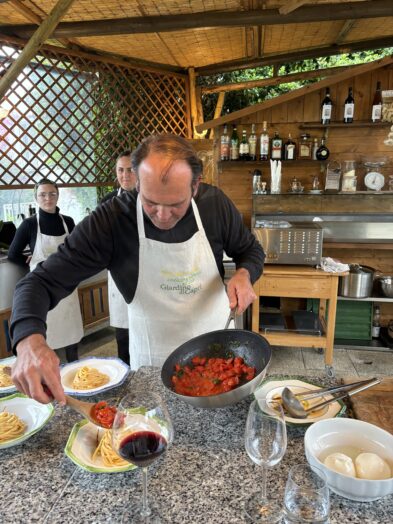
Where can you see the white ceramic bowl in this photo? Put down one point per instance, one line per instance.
(338, 433)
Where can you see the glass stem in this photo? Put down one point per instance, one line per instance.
(145, 505)
(264, 496)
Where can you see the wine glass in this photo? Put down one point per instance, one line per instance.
(266, 442)
(142, 431)
(306, 498)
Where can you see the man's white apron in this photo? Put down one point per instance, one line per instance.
(64, 322)
(179, 295)
(118, 307)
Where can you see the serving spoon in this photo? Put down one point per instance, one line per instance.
(294, 407)
(83, 408)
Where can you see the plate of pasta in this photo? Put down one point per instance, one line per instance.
(6, 384)
(20, 418)
(93, 375)
(90, 448)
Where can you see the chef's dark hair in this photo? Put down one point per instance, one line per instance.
(42, 182)
(125, 153)
(173, 146)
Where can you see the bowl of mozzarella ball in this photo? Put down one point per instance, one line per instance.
(356, 457)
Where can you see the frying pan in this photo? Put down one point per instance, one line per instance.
(225, 343)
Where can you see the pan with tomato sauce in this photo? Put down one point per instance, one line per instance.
(224, 344)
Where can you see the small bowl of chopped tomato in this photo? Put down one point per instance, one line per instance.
(217, 369)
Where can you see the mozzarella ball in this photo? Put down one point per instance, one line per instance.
(340, 463)
(372, 467)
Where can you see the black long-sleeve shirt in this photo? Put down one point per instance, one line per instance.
(108, 238)
(26, 234)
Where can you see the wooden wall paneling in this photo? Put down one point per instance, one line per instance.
(362, 94)
(312, 107)
(295, 110)
(280, 113)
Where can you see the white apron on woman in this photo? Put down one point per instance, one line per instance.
(64, 322)
(179, 295)
(118, 307)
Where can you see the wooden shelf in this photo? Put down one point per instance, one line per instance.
(266, 163)
(360, 123)
(367, 299)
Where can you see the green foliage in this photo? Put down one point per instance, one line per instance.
(235, 100)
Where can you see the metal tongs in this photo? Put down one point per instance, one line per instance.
(293, 405)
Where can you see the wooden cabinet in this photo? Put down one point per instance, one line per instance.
(300, 282)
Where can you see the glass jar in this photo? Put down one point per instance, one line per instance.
(305, 146)
(349, 178)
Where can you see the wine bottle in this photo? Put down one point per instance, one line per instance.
(234, 149)
(349, 107)
(322, 153)
(376, 113)
(276, 147)
(252, 144)
(224, 145)
(244, 149)
(289, 149)
(326, 108)
(264, 143)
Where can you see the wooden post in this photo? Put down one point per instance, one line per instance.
(195, 104)
(33, 45)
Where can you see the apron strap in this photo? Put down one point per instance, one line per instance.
(141, 225)
(119, 191)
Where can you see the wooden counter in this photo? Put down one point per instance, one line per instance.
(300, 282)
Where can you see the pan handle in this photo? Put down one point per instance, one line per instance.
(232, 316)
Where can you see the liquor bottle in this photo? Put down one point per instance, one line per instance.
(224, 145)
(376, 325)
(264, 144)
(252, 144)
(322, 153)
(326, 108)
(244, 149)
(234, 149)
(315, 149)
(349, 107)
(289, 149)
(376, 113)
(276, 147)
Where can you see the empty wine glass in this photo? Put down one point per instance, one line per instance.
(266, 442)
(142, 431)
(306, 499)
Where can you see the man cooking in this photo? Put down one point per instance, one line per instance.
(163, 244)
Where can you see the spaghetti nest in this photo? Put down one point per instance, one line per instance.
(11, 426)
(109, 457)
(89, 378)
(5, 379)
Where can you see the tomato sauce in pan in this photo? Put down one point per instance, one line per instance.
(211, 376)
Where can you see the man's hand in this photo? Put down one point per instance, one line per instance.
(240, 291)
(37, 364)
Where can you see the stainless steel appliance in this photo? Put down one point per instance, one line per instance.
(286, 243)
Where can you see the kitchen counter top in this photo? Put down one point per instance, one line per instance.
(205, 477)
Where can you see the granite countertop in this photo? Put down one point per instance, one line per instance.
(205, 477)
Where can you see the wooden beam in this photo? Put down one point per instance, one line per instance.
(345, 29)
(291, 5)
(275, 80)
(219, 105)
(299, 54)
(168, 23)
(34, 44)
(292, 95)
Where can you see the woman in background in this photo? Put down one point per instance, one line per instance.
(43, 233)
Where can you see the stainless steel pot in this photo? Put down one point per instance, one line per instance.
(358, 283)
(387, 285)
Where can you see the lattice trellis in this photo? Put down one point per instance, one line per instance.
(71, 116)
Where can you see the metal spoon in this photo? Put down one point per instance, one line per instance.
(83, 408)
(295, 408)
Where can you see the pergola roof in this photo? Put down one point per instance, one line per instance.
(209, 35)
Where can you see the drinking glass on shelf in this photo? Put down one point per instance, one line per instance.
(306, 498)
(266, 443)
(142, 431)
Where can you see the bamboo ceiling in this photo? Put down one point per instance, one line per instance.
(210, 47)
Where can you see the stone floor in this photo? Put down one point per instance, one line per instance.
(292, 361)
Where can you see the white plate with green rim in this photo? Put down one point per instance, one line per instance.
(31, 412)
(271, 389)
(81, 444)
(6, 390)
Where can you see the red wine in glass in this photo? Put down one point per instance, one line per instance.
(142, 447)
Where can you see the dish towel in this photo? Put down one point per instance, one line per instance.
(333, 266)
